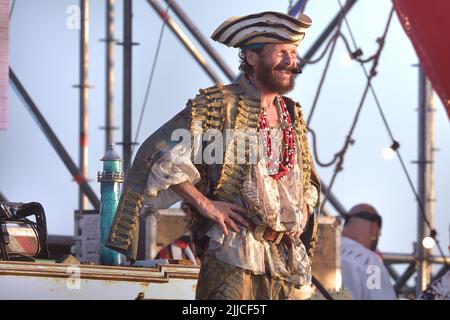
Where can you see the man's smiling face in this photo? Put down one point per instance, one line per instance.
(273, 67)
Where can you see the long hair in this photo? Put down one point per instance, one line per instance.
(244, 66)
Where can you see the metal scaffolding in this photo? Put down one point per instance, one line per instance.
(201, 39)
(110, 54)
(84, 98)
(426, 179)
(127, 81)
(193, 51)
(421, 259)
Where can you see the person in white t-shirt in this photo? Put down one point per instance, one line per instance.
(363, 271)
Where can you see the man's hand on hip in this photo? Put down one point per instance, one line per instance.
(223, 213)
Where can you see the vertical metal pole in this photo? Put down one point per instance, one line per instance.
(110, 53)
(127, 72)
(84, 96)
(425, 178)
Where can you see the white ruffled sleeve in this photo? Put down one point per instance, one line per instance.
(173, 166)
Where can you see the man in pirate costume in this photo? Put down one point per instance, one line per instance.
(253, 218)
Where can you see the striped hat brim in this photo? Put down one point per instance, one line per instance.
(265, 27)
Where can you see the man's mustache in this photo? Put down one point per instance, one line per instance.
(294, 70)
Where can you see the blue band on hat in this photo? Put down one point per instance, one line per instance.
(254, 46)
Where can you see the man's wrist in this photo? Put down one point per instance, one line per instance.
(191, 194)
(202, 203)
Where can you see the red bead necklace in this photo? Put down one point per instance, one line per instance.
(288, 152)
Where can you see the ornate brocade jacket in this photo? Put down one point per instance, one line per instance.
(235, 108)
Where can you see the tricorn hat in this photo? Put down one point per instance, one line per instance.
(262, 28)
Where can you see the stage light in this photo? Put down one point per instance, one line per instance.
(346, 59)
(388, 153)
(428, 243)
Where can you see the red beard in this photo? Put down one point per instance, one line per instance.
(265, 76)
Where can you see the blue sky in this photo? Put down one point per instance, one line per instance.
(44, 55)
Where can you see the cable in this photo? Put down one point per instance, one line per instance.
(355, 55)
(366, 74)
(321, 288)
(316, 154)
(39, 226)
(304, 61)
(348, 139)
(34, 226)
(325, 71)
(12, 9)
(383, 117)
(150, 80)
(332, 42)
(35, 229)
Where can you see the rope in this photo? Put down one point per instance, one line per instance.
(325, 70)
(150, 80)
(349, 140)
(12, 9)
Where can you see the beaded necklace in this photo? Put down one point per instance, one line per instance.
(288, 152)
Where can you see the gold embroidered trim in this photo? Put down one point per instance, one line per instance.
(126, 219)
(301, 132)
(207, 110)
(230, 177)
(258, 233)
(308, 168)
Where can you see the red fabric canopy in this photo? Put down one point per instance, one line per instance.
(427, 24)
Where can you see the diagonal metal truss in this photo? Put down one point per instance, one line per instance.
(53, 139)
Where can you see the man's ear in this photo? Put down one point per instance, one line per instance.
(251, 57)
(374, 231)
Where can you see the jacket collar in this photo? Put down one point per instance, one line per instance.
(249, 89)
